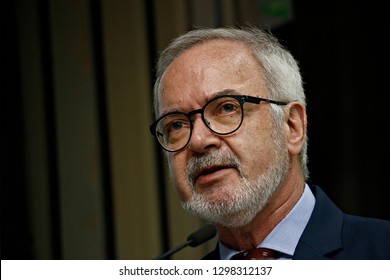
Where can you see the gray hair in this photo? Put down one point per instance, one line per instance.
(281, 72)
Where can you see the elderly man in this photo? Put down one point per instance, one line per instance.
(231, 118)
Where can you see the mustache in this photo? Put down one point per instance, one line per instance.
(213, 160)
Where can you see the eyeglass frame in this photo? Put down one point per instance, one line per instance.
(241, 99)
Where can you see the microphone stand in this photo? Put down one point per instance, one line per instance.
(169, 253)
(194, 239)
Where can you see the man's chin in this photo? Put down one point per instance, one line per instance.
(218, 210)
(215, 196)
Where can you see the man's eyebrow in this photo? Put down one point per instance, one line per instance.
(212, 96)
(223, 92)
(172, 110)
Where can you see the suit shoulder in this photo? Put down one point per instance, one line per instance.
(366, 224)
(368, 233)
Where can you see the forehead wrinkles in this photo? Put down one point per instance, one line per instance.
(220, 59)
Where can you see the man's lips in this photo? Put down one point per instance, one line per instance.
(209, 170)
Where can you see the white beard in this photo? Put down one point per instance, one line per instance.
(236, 205)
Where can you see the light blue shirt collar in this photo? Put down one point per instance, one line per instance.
(285, 236)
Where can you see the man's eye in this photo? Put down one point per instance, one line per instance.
(228, 108)
(176, 125)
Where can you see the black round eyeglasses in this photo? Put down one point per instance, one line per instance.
(222, 115)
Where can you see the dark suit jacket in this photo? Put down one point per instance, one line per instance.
(331, 234)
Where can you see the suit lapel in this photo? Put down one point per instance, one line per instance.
(322, 235)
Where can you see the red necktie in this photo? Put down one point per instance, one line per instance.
(256, 254)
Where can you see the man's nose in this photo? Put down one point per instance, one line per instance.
(202, 138)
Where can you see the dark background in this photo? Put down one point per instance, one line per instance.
(343, 51)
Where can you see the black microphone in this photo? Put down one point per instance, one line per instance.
(194, 239)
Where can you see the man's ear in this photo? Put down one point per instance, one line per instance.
(296, 123)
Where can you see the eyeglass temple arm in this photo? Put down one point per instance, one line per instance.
(257, 100)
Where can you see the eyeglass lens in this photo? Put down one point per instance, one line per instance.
(222, 115)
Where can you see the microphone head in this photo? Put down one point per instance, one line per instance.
(202, 235)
